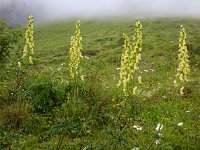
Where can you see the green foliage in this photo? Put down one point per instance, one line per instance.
(6, 40)
(47, 93)
(51, 117)
(15, 116)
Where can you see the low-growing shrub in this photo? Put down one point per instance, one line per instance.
(6, 40)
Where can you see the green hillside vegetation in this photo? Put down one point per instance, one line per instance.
(39, 108)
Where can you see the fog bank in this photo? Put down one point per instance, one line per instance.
(18, 10)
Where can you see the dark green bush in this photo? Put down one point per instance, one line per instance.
(6, 40)
(45, 96)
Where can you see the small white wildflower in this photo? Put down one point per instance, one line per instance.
(175, 82)
(157, 142)
(159, 127)
(152, 70)
(19, 64)
(187, 111)
(164, 97)
(138, 128)
(117, 68)
(85, 148)
(59, 68)
(145, 70)
(180, 124)
(136, 148)
(62, 64)
(160, 135)
(87, 57)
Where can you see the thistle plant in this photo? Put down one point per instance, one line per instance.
(29, 45)
(130, 60)
(75, 53)
(183, 61)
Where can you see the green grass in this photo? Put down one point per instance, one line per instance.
(93, 120)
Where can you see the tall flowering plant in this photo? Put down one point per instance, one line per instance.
(75, 53)
(130, 60)
(29, 45)
(183, 70)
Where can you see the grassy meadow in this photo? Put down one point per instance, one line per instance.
(39, 111)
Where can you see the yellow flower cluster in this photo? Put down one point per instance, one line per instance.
(183, 60)
(29, 45)
(130, 59)
(75, 52)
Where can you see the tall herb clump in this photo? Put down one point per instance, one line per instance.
(29, 45)
(75, 58)
(183, 60)
(75, 53)
(130, 60)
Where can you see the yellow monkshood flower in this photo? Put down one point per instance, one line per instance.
(29, 44)
(130, 59)
(75, 52)
(183, 60)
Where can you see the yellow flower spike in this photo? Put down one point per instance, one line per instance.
(183, 61)
(130, 59)
(75, 52)
(29, 46)
(183, 58)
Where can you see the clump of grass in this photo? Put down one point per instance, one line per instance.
(15, 116)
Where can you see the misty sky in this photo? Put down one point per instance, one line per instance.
(18, 10)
